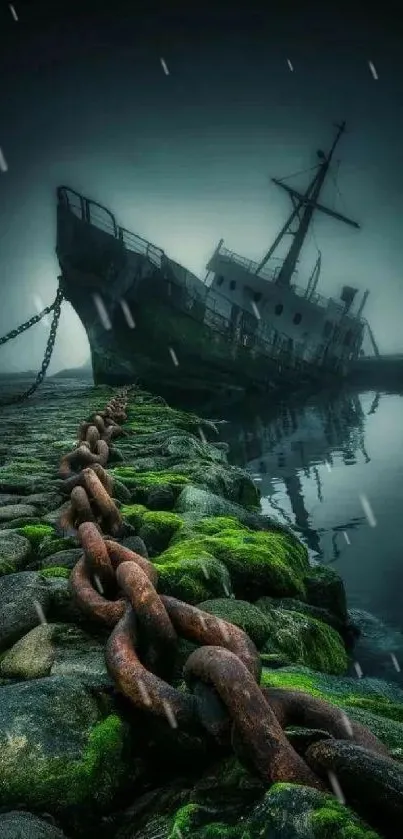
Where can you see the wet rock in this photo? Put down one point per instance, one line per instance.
(58, 751)
(61, 602)
(19, 594)
(325, 589)
(136, 544)
(242, 614)
(16, 511)
(160, 498)
(304, 640)
(11, 498)
(54, 516)
(21, 825)
(14, 551)
(377, 643)
(62, 559)
(44, 501)
(291, 810)
(372, 784)
(53, 650)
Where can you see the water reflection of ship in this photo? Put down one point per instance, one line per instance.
(293, 445)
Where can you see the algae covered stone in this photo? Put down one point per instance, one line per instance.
(56, 750)
(325, 589)
(303, 813)
(192, 575)
(14, 551)
(259, 562)
(302, 639)
(241, 613)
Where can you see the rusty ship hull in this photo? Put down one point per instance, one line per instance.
(148, 319)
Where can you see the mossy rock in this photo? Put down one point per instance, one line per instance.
(155, 527)
(195, 821)
(192, 576)
(36, 533)
(241, 613)
(141, 484)
(372, 702)
(259, 562)
(55, 571)
(56, 753)
(304, 640)
(325, 589)
(53, 544)
(304, 813)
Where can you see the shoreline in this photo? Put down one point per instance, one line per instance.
(187, 511)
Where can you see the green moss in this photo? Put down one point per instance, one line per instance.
(214, 525)
(133, 513)
(304, 640)
(52, 545)
(55, 571)
(193, 576)
(157, 529)
(36, 533)
(262, 562)
(60, 782)
(242, 614)
(190, 821)
(291, 809)
(148, 418)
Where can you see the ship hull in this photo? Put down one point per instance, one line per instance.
(148, 319)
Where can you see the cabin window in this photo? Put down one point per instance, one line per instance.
(257, 296)
(220, 279)
(327, 328)
(232, 285)
(347, 338)
(297, 318)
(278, 309)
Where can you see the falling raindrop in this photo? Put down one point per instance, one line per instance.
(205, 571)
(224, 632)
(328, 466)
(170, 714)
(40, 306)
(127, 313)
(368, 511)
(164, 66)
(373, 69)
(40, 612)
(103, 314)
(226, 589)
(346, 536)
(98, 584)
(3, 162)
(335, 785)
(290, 65)
(395, 662)
(202, 435)
(347, 725)
(255, 309)
(144, 692)
(358, 670)
(174, 357)
(13, 12)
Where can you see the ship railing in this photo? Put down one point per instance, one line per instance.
(99, 216)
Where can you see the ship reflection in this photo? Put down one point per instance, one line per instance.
(287, 452)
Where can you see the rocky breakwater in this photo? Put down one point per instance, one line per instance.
(171, 665)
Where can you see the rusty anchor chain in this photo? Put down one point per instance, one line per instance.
(55, 307)
(117, 588)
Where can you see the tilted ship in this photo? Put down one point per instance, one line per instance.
(245, 325)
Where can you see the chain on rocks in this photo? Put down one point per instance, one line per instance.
(117, 588)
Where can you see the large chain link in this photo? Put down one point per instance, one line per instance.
(55, 307)
(117, 588)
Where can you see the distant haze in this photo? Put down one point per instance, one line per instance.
(185, 159)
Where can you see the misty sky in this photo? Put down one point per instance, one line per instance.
(185, 159)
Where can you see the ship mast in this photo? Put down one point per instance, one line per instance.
(308, 203)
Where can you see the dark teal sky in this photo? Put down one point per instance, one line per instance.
(186, 159)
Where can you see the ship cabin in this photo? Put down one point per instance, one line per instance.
(283, 317)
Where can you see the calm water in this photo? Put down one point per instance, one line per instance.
(333, 469)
